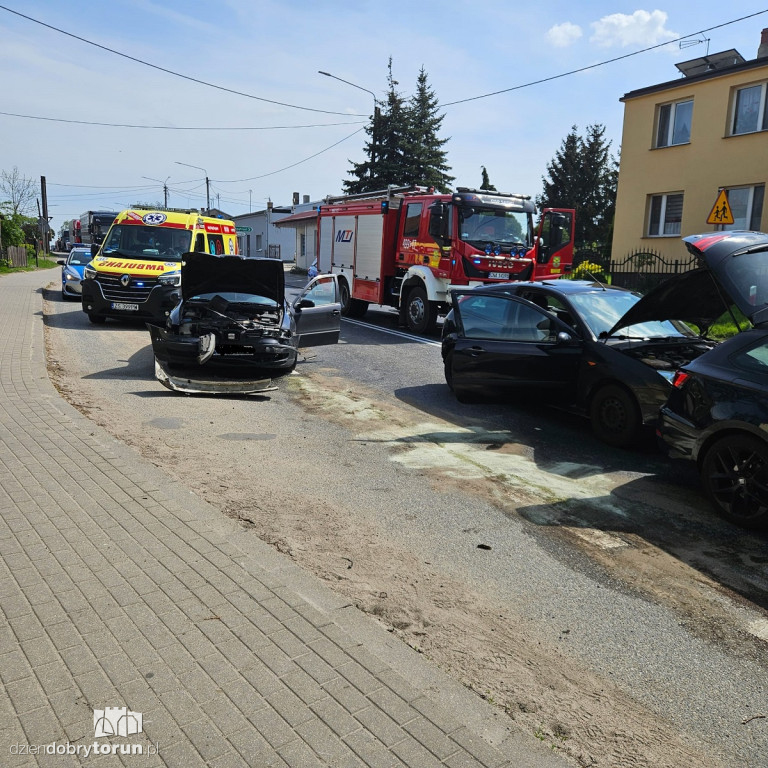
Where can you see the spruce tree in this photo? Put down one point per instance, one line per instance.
(425, 152)
(486, 182)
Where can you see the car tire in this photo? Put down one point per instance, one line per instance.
(734, 475)
(420, 313)
(97, 319)
(615, 416)
(350, 307)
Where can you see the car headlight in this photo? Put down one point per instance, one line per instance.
(71, 276)
(172, 278)
(89, 273)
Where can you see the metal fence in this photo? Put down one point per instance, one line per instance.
(640, 270)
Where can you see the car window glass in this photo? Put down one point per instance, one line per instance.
(754, 358)
(323, 292)
(491, 317)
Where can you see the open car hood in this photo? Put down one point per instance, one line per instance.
(205, 273)
(734, 270)
(739, 262)
(692, 296)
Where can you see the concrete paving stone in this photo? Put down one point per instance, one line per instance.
(316, 667)
(335, 717)
(328, 746)
(478, 748)
(207, 739)
(119, 669)
(196, 642)
(225, 713)
(412, 753)
(26, 694)
(304, 686)
(463, 760)
(297, 754)
(431, 737)
(347, 695)
(21, 628)
(184, 708)
(393, 705)
(71, 708)
(219, 668)
(73, 601)
(303, 630)
(137, 694)
(289, 644)
(290, 707)
(96, 687)
(161, 678)
(106, 607)
(54, 677)
(356, 674)
(265, 621)
(64, 635)
(14, 666)
(369, 749)
(181, 754)
(175, 656)
(333, 632)
(329, 651)
(279, 609)
(272, 727)
(158, 635)
(230, 760)
(236, 652)
(381, 725)
(262, 678)
(40, 726)
(16, 605)
(78, 659)
(102, 643)
(277, 660)
(27, 577)
(213, 627)
(436, 714)
(255, 749)
(39, 651)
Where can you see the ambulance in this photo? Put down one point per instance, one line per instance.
(136, 272)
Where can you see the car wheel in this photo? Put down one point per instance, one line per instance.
(615, 416)
(345, 298)
(734, 475)
(420, 313)
(97, 319)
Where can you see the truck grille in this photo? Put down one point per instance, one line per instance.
(137, 291)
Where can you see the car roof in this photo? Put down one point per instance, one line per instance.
(564, 286)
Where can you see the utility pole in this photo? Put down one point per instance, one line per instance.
(44, 195)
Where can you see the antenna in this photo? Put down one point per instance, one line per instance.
(689, 42)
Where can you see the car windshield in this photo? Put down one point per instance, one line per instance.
(142, 242)
(601, 310)
(79, 257)
(485, 225)
(235, 297)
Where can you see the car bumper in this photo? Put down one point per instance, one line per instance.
(72, 288)
(675, 436)
(158, 304)
(257, 354)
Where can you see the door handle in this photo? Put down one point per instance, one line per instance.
(475, 351)
(336, 312)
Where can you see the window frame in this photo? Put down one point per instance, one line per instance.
(670, 128)
(750, 208)
(762, 111)
(664, 196)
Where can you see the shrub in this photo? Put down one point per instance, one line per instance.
(588, 270)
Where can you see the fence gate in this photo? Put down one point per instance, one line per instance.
(17, 255)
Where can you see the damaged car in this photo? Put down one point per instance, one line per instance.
(603, 351)
(233, 329)
(717, 411)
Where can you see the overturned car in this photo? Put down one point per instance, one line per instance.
(233, 329)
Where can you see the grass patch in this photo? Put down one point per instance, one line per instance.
(41, 264)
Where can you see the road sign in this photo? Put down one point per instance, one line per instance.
(243, 229)
(721, 211)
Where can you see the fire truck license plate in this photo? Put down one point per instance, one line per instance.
(126, 307)
(498, 275)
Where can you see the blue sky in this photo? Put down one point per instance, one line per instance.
(272, 51)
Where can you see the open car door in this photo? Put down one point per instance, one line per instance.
(318, 312)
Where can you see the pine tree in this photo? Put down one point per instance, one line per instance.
(404, 147)
(424, 149)
(583, 175)
(486, 182)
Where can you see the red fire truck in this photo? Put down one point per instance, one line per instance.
(406, 247)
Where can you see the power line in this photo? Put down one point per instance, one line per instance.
(601, 63)
(170, 71)
(173, 127)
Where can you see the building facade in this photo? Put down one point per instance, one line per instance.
(685, 142)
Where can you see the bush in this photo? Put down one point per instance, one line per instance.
(588, 270)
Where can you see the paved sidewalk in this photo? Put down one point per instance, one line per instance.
(120, 588)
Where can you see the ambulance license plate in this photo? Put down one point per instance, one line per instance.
(498, 275)
(120, 305)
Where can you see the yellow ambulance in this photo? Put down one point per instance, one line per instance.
(136, 272)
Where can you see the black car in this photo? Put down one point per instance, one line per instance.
(717, 411)
(233, 328)
(607, 352)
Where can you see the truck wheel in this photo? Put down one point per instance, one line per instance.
(350, 307)
(420, 313)
(615, 416)
(97, 319)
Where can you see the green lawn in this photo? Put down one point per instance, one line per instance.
(42, 264)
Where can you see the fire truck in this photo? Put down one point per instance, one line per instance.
(405, 247)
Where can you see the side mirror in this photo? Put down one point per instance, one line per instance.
(564, 338)
(438, 221)
(304, 304)
(61, 261)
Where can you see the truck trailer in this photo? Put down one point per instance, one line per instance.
(406, 247)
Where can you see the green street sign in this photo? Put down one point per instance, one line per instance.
(243, 229)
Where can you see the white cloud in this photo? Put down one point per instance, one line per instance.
(563, 35)
(643, 28)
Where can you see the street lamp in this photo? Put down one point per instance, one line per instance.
(375, 113)
(165, 188)
(207, 184)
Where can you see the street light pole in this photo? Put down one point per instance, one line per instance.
(207, 184)
(375, 116)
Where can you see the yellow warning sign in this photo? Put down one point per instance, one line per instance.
(721, 211)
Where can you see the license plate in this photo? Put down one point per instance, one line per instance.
(498, 275)
(120, 305)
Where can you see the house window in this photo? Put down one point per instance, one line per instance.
(746, 204)
(258, 243)
(749, 113)
(665, 215)
(674, 124)
(302, 245)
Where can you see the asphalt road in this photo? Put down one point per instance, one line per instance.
(614, 552)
